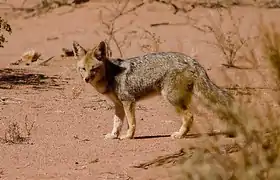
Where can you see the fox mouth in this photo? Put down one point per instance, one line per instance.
(87, 79)
(90, 77)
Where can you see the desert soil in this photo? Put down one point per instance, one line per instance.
(67, 139)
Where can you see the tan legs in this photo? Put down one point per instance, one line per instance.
(122, 109)
(117, 124)
(129, 109)
(118, 117)
(187, 121)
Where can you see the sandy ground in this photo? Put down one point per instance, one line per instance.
(67, 139)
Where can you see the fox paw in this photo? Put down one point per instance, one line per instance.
(177, 135)
(111, 136)
(127, 136)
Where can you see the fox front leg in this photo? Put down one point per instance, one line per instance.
(117, 123)
(118, 117)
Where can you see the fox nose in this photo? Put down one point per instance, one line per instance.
(87, 79)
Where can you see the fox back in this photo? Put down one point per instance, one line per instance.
(135, 78)
(148, 73)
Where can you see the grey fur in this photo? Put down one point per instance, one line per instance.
(174, 75)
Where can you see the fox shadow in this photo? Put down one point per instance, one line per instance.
(191, 135)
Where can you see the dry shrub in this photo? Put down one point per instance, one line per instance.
(258, 158)
(42, 7)
(229, 40)
(119, 8)
(271, 47)
(187, 5)
(14, 134)
(4, 28)
(149, 41)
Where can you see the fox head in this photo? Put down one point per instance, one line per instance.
(90, 63)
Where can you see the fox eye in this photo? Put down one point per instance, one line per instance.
(83, 69)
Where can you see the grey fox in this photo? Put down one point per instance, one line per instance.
(174, 75)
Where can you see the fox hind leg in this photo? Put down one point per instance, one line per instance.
(187, 121)
(180, 95)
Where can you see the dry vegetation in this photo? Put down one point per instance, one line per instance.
(4, 28)
(258, 157)
(44, 6)
(14, 134)
(231, 43)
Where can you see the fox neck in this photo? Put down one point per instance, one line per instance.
(107, 82)
(102, 86)
(111, 71)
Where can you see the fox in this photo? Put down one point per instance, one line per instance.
(125, 81)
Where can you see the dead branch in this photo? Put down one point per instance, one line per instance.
(44, 63)
(160, 24)
(28, 126)
(110, 25)
(5, 100)
(182, 155)
(177, 8)
(110, 32)
(119, 10)
(161, 160)
(43, 7)
(134, 8)
(150, 36)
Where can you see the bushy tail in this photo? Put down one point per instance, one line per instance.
(208, 90)
(217, 100)
(222, 103)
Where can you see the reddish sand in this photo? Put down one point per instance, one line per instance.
(67, 140)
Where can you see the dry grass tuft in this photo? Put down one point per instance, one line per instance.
(16, 135)
(271, 46)
(4, 28)
(230, 41)
(13, 134)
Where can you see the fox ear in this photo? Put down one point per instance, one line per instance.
(78, 50)
(102, 51)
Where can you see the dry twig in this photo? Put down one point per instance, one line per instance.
(181, 155)
(119, 10)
